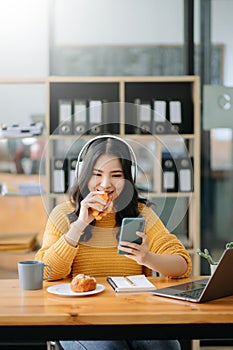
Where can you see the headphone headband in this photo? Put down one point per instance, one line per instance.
(131, 151)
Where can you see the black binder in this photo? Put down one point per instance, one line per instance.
(131, 118)
(110, 117)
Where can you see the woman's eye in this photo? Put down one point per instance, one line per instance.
(96, 174)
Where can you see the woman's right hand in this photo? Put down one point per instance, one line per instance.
(91, 201)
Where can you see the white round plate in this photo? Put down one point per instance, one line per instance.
(64, 290)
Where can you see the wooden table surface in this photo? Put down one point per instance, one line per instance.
(24, 310)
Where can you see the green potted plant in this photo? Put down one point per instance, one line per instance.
(205, 254)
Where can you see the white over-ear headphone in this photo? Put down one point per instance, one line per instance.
(85, 147)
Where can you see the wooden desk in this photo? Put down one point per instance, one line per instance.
(37, 316)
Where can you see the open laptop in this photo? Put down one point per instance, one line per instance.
(219, 285)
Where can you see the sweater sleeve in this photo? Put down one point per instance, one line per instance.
(55, 251)
(163, 242)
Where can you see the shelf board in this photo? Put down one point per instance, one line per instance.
(125, 79)
(146, 194)
(167, 194)
(23, 81)
(20, 137)
(129, 136)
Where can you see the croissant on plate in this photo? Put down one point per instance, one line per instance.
(83, 283)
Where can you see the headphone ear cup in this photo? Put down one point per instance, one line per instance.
(78, 169)
(133, 172)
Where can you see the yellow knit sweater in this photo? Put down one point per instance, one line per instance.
(98, 256)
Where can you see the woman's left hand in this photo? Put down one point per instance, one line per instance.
(134, 251)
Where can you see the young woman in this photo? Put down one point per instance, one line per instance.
(74, 242)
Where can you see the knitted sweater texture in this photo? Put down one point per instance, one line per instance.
(98, 256)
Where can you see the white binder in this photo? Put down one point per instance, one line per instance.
(80, 117)
(65, 117)
(95, 116)
(58, 176)
(144, 116)
(159, 117)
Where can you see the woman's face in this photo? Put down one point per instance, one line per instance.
(107, 176)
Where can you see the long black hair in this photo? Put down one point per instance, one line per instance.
(126, 205)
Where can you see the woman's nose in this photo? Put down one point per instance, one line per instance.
(106, 181)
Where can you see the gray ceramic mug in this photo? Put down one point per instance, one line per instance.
(31, 274)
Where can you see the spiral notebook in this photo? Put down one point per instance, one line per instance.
(137, 283)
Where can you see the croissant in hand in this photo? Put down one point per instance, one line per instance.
(98, 215)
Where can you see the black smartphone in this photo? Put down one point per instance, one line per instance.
(128, 231)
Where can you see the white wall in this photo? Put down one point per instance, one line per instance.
(80, 22)
(23, 38)
(24, 54)
(24, 28)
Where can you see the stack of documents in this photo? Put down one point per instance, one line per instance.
(26, 188)
(22, 130)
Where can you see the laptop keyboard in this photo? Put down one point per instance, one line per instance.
(190, 286)
(194, 294)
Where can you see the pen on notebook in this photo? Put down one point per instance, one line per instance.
(129, 281)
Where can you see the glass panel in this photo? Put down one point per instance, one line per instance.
(221, 157)
(217, 146)
(221, 182)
